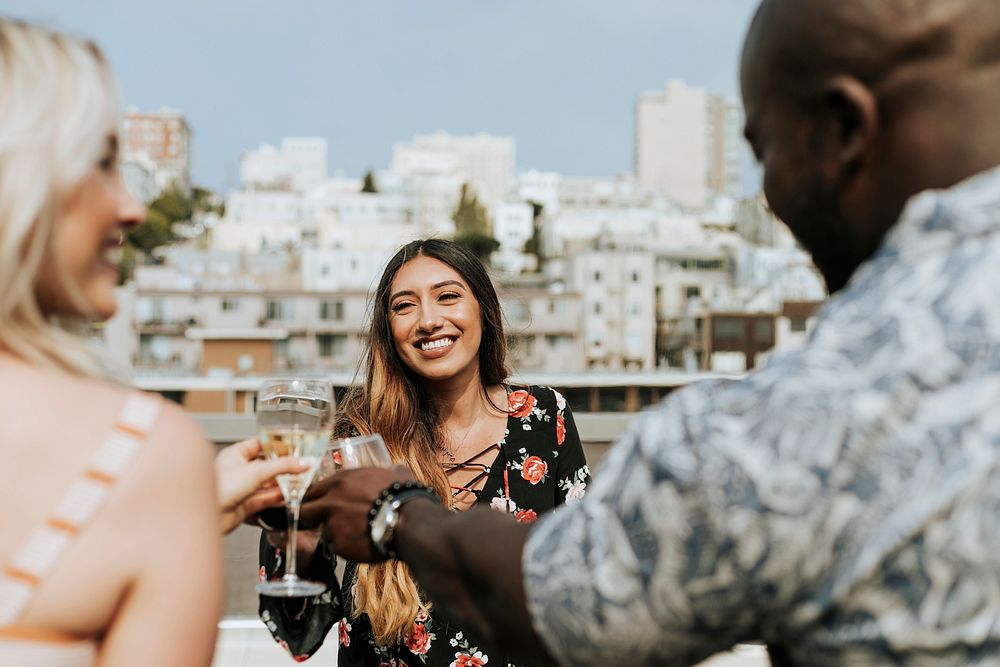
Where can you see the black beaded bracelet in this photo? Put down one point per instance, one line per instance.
(396, 493)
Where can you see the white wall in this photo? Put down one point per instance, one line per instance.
(671, 150)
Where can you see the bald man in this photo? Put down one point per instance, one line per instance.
(841, 504)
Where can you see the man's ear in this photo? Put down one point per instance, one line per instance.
(852, 108)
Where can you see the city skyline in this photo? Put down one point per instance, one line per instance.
(561, 80)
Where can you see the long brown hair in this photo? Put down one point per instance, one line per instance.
(394, 402)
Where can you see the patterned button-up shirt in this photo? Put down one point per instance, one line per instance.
(842, 504)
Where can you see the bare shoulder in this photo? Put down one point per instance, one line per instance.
(177, 455)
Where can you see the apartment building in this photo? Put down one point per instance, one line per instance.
(163, 137)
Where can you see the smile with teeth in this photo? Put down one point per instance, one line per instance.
(436, 344)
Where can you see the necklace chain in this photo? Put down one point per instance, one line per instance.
(451, 454)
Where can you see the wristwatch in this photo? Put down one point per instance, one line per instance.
(383, 518)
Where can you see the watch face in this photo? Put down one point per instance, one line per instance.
(378, 529)
(383, 525)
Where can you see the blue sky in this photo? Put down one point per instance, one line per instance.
(560, 76)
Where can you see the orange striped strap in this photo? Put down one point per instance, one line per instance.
(36, 557)
(24, 633)
(18, 574)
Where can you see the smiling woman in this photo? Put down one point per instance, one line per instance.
(436, 389)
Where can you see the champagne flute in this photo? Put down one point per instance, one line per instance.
(362, 451)
(294, 418)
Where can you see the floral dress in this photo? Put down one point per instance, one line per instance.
(540, 464)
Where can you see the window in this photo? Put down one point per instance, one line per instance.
(763, 330)
(597, 308)
(635, 308)
(331, 345)
(557, 342)
(597, 276)
(331, 310)
(230, 305)
(516, 311)
(612, 399)
(521, 347)
(728, 328)
(278, 309)
(636, 277)
(558, 307)
(798, 324)
(154, 349)
(692, 292)
(702, 264)
(578, 398)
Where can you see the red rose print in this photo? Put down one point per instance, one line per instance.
(520, 403)
(533, 469)
(560, 429)
(526, 516)
(262, 575)
(419, 640)
(466, 660)
(345, 627)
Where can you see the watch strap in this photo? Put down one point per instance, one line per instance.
(389, 500)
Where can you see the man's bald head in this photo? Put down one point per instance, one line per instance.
(853, 106)
(881, 42)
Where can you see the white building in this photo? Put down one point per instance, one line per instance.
(484, 161)
(299, 165)
(615, 283)
(513, 225)
(725, 146)
(540, 187)
(264, 206)
(670, 146)
(139, 174)
(688, 144)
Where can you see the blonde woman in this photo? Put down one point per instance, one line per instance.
(110, 515)
(436, 389)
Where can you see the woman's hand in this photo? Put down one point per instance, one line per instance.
(246, 484)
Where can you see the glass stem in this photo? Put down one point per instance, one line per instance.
(291, 548)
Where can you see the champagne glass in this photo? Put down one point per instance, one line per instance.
(362, 451)
(294, 418)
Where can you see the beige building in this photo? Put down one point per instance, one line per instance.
(688, 144)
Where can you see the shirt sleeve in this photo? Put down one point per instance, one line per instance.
(664, 560)
(301, 625)
(572, 472)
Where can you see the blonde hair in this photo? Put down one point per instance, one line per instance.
(58, 101)
(393, 402)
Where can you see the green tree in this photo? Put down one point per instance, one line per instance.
(369, 184)
(170, 207)
(472, 226)
(533, 246)
(155, 232)
(174, 204)
(204, 200)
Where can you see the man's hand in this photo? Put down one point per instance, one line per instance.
(246, 484)
(340, 503)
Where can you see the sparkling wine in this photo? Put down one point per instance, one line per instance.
(294, 419)
(307, 446)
